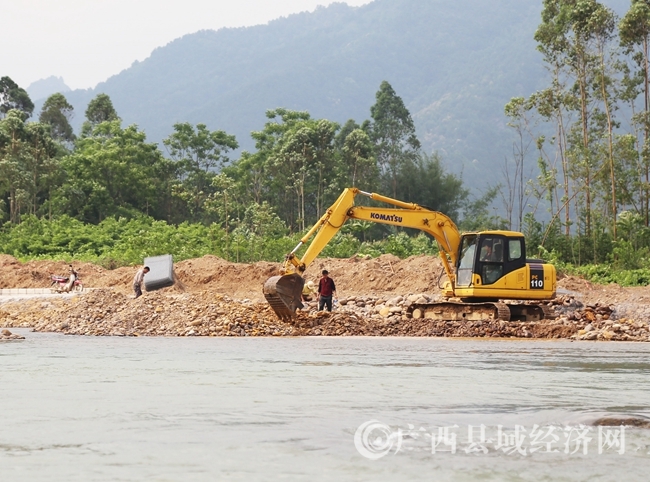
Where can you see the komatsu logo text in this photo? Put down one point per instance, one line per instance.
(386, 217)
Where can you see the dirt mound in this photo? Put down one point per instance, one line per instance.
(353, 276)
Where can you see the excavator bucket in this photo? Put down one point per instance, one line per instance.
(284, 294)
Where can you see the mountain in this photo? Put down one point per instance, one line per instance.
(455, 64)
(42, 89)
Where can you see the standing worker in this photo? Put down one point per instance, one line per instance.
(138, 279)
(326, 290)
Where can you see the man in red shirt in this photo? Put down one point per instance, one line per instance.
(326, 290)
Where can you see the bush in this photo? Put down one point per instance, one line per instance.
(112, 243)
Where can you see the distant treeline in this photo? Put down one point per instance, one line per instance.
(594, 181)
(300, 167)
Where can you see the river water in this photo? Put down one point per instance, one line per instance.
(320, 409)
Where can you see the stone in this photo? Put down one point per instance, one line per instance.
(395, 301)
(608, 335)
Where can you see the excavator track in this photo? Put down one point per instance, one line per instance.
(459, 311)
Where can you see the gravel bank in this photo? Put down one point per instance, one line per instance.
(104, 312)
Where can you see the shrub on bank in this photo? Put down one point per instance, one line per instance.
(119, 242)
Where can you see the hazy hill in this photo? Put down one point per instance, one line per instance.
(43, 88)
(455, 64)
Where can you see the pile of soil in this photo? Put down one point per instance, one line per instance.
(355, 275)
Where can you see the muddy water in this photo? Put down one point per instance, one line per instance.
(167, 409)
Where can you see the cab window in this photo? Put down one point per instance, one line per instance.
(492, 250)
(466, 262)
(514, 249)
(491, 256)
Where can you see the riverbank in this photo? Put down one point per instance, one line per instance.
(214, 297)
(104, 312)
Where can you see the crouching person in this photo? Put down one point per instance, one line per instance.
(138, 280)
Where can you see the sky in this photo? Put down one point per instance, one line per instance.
(87, 41)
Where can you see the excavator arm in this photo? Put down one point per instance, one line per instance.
(283, 292)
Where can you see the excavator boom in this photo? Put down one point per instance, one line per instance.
(284, 292)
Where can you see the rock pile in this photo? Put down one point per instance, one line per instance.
(107, 313)
(7, 335)
(600, 322)
(384, 307)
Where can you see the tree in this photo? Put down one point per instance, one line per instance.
(56, 113)
(275, 170)
(514, 198)
(14, 97)
(27, 160)
(42, 165)
(425, 181)
(304, 155)
(198, 154)
(602, 23)
(576, 38)
(634, 32)
(358, 160)
(99, 110)
(393, 134)
(114, 172)
(13, 154)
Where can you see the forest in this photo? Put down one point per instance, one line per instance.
(106, 194)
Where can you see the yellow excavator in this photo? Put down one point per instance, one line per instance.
(483, 269)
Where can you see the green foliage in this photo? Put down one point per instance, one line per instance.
(113, 242)
(28, 167)
(357, 159)
(393, 132)
(625, 257)
(56, 113)
(342, 245)
(627, 267)
(477, 215)
(400, 245)
(113, 172)
(603, 274)
(12, 96)
(425, 181)
(99, 110)
(197, 154)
